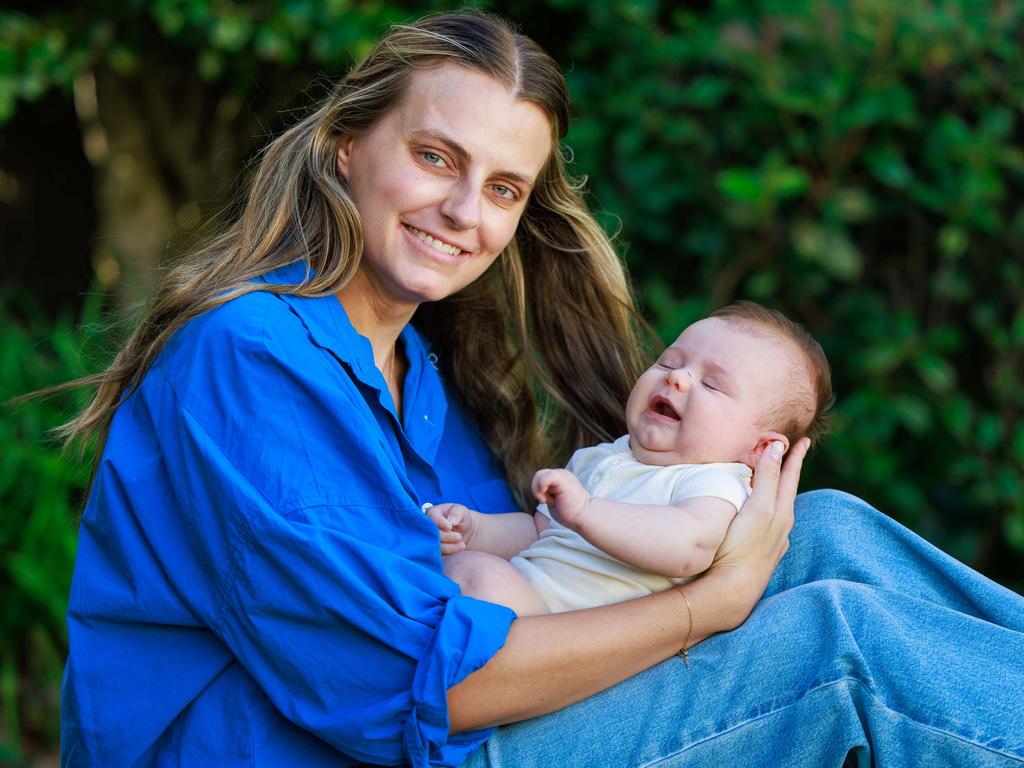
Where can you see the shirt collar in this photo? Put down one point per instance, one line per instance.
(329, 327)
(327, 323)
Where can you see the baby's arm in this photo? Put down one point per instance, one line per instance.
(504, 535)
(673, 541)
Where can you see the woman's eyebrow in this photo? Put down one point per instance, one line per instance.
(463, 154)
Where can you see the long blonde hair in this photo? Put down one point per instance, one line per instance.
(543, 349)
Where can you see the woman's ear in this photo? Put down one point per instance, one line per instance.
(766, 439)
(345, 155)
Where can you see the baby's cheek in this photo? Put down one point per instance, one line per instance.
(634, 404)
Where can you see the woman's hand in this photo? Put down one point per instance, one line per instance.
(759, 535)
(456, 523)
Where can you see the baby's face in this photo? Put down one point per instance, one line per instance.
(704, 399)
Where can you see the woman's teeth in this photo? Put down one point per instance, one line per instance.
(435, 243)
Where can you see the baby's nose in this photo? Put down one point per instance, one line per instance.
(680, 378)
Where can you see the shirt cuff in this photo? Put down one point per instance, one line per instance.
(468, 635)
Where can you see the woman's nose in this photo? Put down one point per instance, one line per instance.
(461, 207)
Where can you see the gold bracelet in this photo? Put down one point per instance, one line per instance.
(682, 653)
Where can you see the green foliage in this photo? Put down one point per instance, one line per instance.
(41, 490)
(858, 165)
(227, 40)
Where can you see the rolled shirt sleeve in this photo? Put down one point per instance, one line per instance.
(279, 512)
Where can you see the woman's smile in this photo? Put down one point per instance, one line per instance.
(445, 252)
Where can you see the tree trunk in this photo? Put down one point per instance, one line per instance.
(166, 149)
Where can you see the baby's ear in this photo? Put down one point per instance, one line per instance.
(766, 439)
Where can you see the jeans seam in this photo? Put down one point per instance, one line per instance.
(935, 729)
(652, 763)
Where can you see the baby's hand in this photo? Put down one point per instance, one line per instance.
(563, 493)
(456, 524)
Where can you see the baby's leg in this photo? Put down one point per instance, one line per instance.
(489, 577)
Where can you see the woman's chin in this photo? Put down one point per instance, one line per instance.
(431, 288)
(415, 293)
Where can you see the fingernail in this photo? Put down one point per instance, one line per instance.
(777, 449)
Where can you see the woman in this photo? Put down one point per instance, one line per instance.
(255, 583)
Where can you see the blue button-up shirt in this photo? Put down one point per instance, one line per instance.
(255, 581)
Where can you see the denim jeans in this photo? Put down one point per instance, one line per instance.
(870, 648)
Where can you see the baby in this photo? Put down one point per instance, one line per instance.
(635, 516)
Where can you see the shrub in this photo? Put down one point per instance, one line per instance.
(41, 491)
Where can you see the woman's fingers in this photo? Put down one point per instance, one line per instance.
(789, 476)
(776, 481)
(759, 535)
(767, 474)
(780, 489)
(759, 532)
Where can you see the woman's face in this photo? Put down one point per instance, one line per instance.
(441, 182)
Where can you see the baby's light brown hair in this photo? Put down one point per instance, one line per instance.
(804, 411)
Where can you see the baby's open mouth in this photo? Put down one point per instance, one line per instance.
(663, 407)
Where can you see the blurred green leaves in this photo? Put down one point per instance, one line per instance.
(225, 40)
(41, 489)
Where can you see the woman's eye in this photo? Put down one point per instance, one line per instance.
(432, 158)
(505, 191)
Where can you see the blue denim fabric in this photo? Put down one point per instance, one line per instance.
(870, 648)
